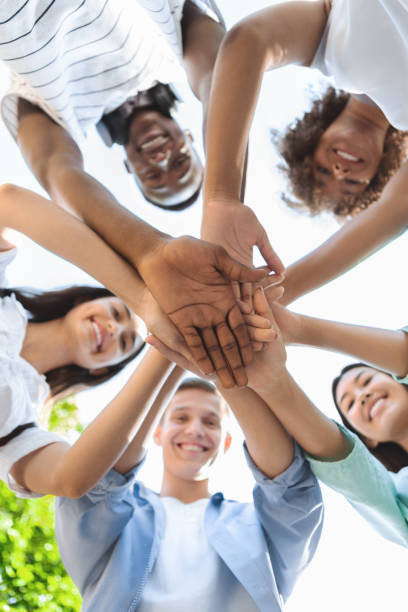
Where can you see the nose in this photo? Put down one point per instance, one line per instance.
(112, 327)
(340, 171)
(194, 427)
(160, 158)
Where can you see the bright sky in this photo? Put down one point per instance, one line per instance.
(354, 569)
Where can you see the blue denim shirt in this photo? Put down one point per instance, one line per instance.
(109, 539)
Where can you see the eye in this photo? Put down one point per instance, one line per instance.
(180, 161)
(349, 407)
(323, 170)
(153, 175)
(123, 344)
(367, 381)
(116, 313)
(212, 423)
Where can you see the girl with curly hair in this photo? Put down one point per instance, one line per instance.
(341, 154)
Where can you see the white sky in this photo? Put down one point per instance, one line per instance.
(354, 569)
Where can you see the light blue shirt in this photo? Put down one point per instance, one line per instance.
(110, 538)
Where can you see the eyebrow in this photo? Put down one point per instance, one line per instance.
(127, 310)
(180, 408)
(355, 381)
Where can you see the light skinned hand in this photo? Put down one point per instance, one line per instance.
(191, 281)
(288, 322)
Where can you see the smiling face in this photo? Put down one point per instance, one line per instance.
(160, 154)
(102, 332)
(192, 434)
(347, 156)
(374, 404)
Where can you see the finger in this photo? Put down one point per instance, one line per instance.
(255, 320)
(272, 279)
(273, 261)
(168, 352)
(235, 271)
(262, 307)
(246, 294)
(273, 293)
(236, 290)
(198, 351)
(262, 335)
(238, 327)
(212, 345)
(257, 346)
(231, 351)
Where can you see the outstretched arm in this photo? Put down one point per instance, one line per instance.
(356, 240)
(59, 469)
(286, 33)
(383, 348)
(191, 281)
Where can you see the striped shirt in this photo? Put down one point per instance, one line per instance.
(80, 59)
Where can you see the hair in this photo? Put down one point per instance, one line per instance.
(175, 207)
(390, 454)
(194, 382)
(297, 146)
(45, 306)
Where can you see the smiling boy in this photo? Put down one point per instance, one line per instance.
(129, 548)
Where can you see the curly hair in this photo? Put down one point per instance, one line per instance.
(297, 146)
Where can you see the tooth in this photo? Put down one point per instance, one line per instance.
(151, 143)
(347, 156)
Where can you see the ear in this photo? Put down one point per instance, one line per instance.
(98, 371)
(157, 435)
(227, 443)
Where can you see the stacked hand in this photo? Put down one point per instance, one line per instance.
(191, 281)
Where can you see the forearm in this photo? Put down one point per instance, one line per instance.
(383, 348)
(356, 240)
(81, 466)
(75, 190)
(65, 235)
(314, 432)
(269, 445)
(136, 450)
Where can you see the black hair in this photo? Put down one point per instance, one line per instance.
(390, 454)
(43, 306)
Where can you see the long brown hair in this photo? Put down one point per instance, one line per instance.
(43, 306)
(390, 454)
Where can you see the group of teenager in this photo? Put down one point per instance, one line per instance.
(110, 64)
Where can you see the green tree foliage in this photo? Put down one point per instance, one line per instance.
(32, 576)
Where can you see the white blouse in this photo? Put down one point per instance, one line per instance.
(22, 389)
(365, 49)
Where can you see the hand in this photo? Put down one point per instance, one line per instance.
(289, 322)
(177, 357)
(191, 281)
(236, 227)
(268, 365)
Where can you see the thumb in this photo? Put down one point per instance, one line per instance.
(262, 308)
(269, 255)
(235, 271)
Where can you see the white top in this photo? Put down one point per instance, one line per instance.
(188, 574)
(365, 49)
(22, 389)
(79, 60)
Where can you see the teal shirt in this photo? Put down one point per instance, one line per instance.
(380, 496)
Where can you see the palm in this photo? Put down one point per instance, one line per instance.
(191, 280)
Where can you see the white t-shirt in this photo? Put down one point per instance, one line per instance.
(188, 574)
(80, 60)
(365, 49)
(22, 389)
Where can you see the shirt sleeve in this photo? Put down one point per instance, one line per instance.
(290, 508)
(369, 487)
(403, 379)
(87, 528)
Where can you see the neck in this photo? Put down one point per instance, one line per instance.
(46, 346)
(187, 491)
(364, 109)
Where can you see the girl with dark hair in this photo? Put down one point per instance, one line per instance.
(366, 459)
(341, 154)
(53, 342)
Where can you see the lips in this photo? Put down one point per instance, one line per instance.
(99, 334)
(375, 406)
(347, 156)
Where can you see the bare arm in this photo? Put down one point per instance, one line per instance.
(269, 445)
(356, 240)
(316, 434)
(383, 348)
(59, 469)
